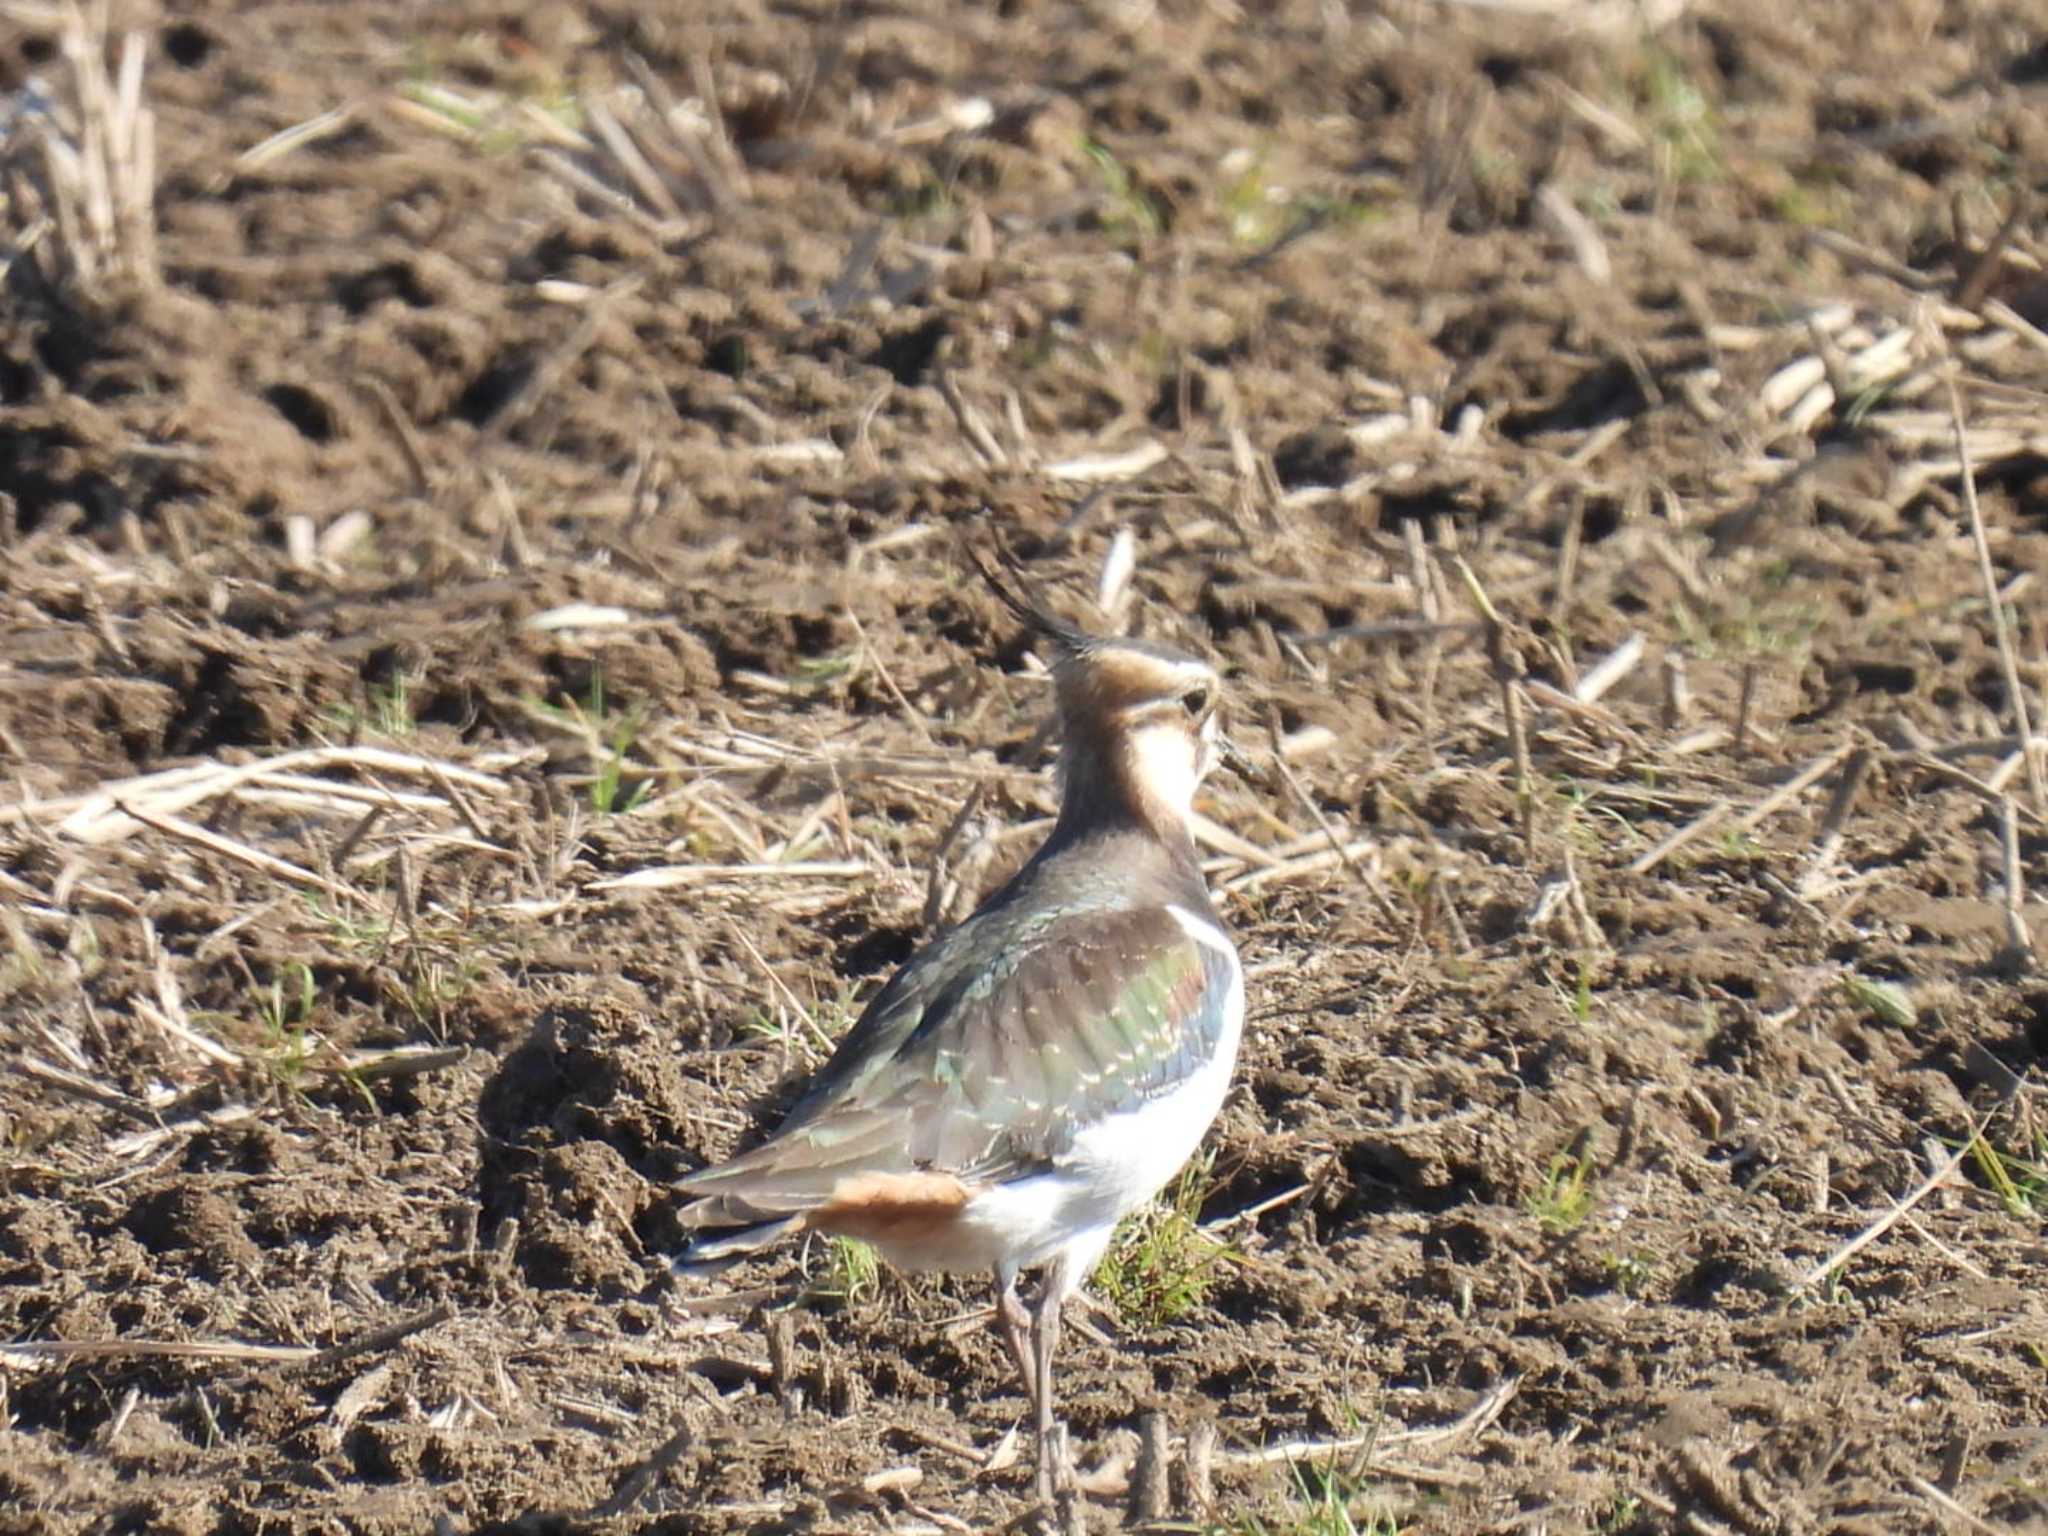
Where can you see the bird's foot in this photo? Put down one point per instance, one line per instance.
(1055, 1464)
(1047, 1482)
(1061, 1509)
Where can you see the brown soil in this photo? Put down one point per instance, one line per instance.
(403, 396)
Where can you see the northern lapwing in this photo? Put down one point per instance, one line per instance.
(1031, 1077)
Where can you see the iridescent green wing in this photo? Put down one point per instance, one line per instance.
(1111, 1010)
(991, 1050)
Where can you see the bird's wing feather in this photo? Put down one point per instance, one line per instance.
(986, 1056)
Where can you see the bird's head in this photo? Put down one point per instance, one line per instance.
(1140, 723)
(1146, 713)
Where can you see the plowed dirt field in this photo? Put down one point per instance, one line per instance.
(489, 686)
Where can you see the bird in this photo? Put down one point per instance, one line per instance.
(1035, 1074)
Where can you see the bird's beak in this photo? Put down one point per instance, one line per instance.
(1230, 755)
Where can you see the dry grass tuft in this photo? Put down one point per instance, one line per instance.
(78, 167)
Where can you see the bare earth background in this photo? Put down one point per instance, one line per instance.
(486, 682)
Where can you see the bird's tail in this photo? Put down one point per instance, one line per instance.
(735, 1242)
(764, 1195)
(729, 1224)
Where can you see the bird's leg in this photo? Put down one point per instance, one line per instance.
(1045, 1338)
(1015, 1324)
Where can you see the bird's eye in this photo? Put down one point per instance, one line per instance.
(1196, 701)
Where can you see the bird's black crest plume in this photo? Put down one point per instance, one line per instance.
(1033, 614)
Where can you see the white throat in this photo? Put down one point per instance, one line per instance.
(1165, 766)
